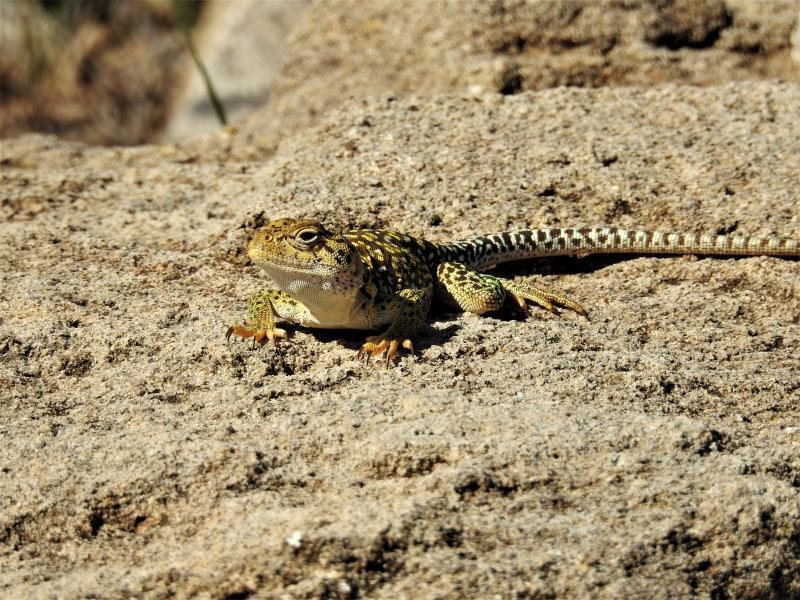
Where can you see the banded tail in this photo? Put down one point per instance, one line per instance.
(487, 250)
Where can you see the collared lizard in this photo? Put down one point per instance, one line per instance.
(372, 278)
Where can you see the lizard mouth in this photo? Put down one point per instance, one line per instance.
(291, 264)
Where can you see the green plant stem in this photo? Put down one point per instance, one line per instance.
(212, 94)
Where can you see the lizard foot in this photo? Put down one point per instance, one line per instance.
(380, 344)
(522, 293)
(260, 336)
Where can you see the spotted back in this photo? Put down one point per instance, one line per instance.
(393, 261)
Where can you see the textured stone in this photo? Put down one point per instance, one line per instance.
(142, 456)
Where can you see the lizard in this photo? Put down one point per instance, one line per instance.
(371, 279)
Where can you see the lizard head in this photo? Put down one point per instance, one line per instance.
(305, 260)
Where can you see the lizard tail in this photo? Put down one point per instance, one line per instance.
(488, 250)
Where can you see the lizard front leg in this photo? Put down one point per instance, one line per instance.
(407, 310)
(267, 308)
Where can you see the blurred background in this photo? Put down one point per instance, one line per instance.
(137, 71)
(121, 71)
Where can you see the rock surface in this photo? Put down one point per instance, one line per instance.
(351, 49)
(650, 451)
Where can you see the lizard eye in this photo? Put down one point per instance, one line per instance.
(307, 237)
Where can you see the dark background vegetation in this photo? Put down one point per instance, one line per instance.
(100, 71)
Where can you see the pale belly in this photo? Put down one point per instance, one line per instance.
(337, 322)
(341, 317)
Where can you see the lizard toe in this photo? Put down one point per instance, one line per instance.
(259, 336)
(378, 345)
(239, 331)
(522, 293)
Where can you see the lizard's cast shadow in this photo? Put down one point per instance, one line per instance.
(572, 265)
(426, 337)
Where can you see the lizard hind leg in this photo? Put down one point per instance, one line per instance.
(460, 286)
(463, 287)
(522, 293)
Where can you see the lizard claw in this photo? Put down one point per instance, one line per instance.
(378, 344)
(522, 293)
(260, 336)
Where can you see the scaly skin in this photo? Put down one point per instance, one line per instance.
(371, 279)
